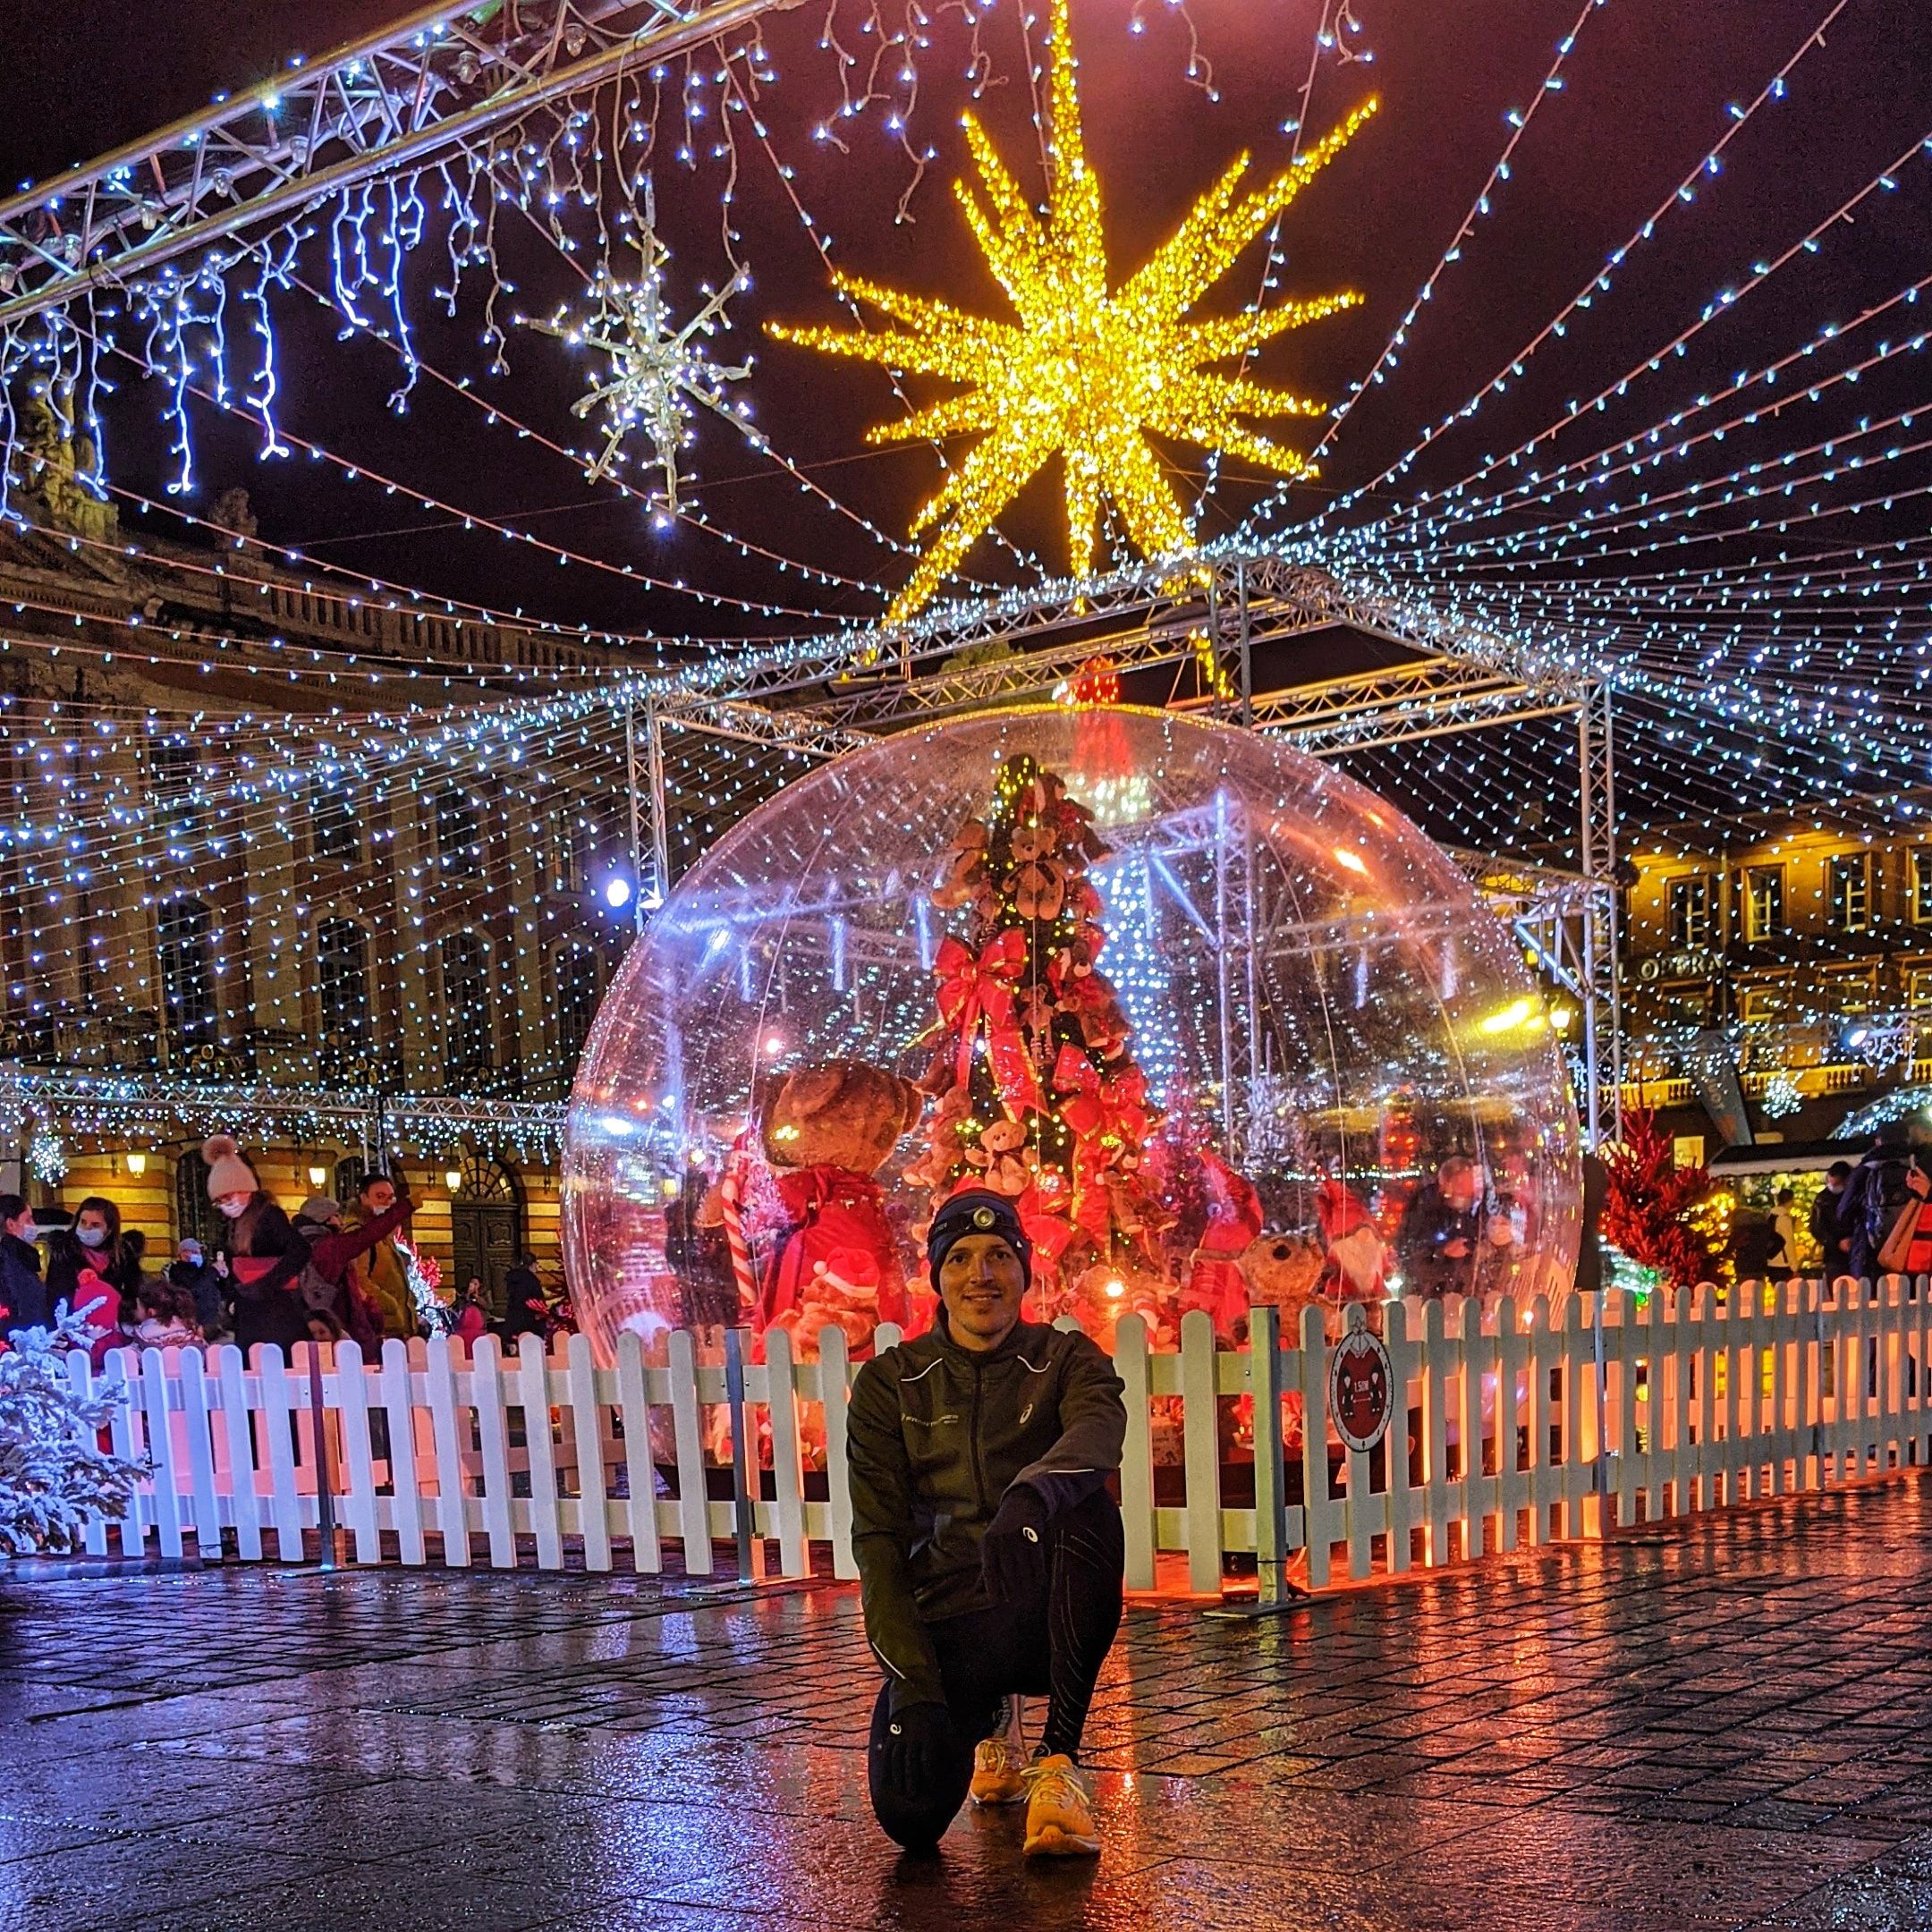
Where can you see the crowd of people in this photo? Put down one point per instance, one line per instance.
(331, 1271)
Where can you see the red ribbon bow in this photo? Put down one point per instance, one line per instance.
(974, 989)
(1118, 1105)
(1049, 1234)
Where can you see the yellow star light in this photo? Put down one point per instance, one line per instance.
(1087, 371)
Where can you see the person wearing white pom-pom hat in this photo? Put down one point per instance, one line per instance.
(256, 1234)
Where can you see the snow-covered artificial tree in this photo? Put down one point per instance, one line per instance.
(55, 1477)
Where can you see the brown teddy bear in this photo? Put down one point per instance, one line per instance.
(1283, 1271)
(826, 1130)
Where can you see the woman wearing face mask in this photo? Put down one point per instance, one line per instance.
(23, 1296)
(90, 1262)
(255, 1235)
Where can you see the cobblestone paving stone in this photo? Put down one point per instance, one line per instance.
(1716, 1724)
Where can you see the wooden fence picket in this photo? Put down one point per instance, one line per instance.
(788, 1466)
(452, 1512)
(1201, 1437)
(486, 1397)
(531, 1386)
(188, 1368)
(1434, 1434)
(1317, 1513)
(693, 1510)
(835, 1379)
(1470, 1429)
(356, 1477)
(406, 1443)
(151, 1373)
(1508, 1419)
(80, 1381)
(1400, 1503)
(1137, 1454)
(641, 1467)
(587, 1437)
(244, 1489)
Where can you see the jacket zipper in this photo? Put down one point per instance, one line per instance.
(978, 1472)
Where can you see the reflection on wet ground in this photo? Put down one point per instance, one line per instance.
(1728, 1723)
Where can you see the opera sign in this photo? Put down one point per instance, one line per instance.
(1361, 1389)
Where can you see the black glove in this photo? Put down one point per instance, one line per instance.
(918, 1748)
(1012, 1555)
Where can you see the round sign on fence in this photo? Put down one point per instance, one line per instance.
(1361, 1389)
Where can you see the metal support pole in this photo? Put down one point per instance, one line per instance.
(1597, 801)
(325, 1486)
(1214, 647)
(744, 1464)
(1222, 990)
(630, 787)
(654, 798)
(1246, 641)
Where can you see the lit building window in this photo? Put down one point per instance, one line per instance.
(1851, 882)
(342, 994)
(1763, 900)
(1921, 884)
(1690, 913)
(466, 1008)
(185, 932)
(576, 998)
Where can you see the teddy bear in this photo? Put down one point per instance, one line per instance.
(1283, 1271)
(826, 1131)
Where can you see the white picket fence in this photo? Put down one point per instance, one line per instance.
(1514, 1433)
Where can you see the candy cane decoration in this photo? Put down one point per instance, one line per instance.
(731, 1192)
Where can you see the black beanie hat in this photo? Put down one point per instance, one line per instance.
(977, 1211)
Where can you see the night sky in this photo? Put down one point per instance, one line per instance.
(1646, 97)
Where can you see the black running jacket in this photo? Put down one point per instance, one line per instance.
(936, 1435)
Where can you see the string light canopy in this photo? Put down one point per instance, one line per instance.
(1682, 450)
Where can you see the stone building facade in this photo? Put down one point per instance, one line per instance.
(186, 911)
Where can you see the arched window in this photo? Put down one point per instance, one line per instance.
(186, 935)
(576, 999)
(194, 1212)
(466, 1009)
(341, 996)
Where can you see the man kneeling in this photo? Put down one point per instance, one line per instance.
(990, 1552)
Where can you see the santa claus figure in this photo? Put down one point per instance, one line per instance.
(1355, 1268)
(1215, 1279)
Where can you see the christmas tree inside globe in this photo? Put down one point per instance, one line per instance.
(1224, 1025)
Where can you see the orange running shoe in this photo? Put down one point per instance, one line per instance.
(1059, 1814)
(997, 1779)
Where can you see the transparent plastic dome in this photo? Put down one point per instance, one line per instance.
(1315, 1007)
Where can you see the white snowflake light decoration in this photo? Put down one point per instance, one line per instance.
(1782, 1096)
(657, 374)
(48, 1156)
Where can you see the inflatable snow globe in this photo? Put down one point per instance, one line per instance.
(1223, 1024)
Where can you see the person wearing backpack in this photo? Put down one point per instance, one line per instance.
(322, 1276)
(1874, 1198)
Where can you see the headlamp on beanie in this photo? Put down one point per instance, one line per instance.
(977, 1211)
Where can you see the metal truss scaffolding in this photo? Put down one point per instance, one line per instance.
(377, 1121)
(433, 80)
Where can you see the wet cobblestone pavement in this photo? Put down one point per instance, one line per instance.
(1726, 1723)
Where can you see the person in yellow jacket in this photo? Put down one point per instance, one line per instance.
(381, 1274)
